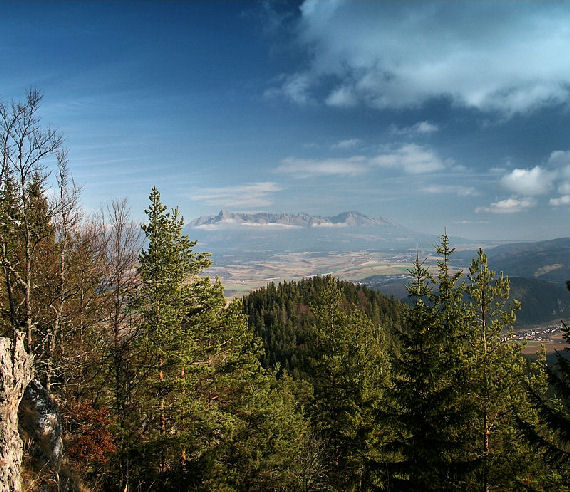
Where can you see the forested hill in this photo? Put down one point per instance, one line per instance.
(282, 316)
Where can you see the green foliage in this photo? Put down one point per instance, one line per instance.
(496, 373)
(282, 316)
(458, 391)
(334, 338)
(209, 416)
(427, 405)
(349, 371)
(549, 431)
(310, 385)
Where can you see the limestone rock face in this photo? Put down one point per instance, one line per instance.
(40, 426)
(16, 371)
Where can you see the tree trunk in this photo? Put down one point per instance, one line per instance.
(16, 370)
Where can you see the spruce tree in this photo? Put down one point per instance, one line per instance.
(252, 433)
(427, 405)
(557, 412)
(165, 298)
(210, 417)
(349, 374)
(496, 382)
(548, 389)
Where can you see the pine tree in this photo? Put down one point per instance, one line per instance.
(496, 381)
(170, 289)
(253, 435)
(349, 374)
(427, 406)
(558, 415)
(209, 416)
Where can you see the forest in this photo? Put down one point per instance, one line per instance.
(160, 383)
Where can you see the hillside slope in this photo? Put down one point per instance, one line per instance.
(281, 316)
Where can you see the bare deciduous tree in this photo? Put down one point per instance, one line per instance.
(25, 216)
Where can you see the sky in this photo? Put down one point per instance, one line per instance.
(433, 114)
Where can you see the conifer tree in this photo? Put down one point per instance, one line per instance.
(252, 433)
(168, 270)
(349, 374)
(427, 405)
(209, 415)
(496, 381)
(557, 412)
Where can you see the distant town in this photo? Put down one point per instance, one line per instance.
(540, 334)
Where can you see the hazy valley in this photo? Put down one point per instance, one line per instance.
(251, 249)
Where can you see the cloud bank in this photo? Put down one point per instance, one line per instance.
(348, 143)
(248, 195)
(508, 206)
(407, 158)
(492, 56)
(304, 168)
(411, 158)
(528, 184)
(420, 128)
(458, 190)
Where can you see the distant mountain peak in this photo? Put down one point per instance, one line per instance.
(227, 218)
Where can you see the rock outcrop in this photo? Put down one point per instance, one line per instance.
(16, 371)
(40, 426)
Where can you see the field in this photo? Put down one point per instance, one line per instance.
(552, 344)
(387, 271)
(240, 278)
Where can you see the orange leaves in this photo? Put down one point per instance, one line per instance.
(89, 439)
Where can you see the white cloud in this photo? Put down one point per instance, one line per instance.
(342, 97)
(529, 182)
(347, 144)
(559, 162)
(559, 158)
(564, 188)
(302, 168)
(329, 225)
(248, 195)
(270, 225)
(466, 222)
(420, 128)
(508, 206)
(526, 184)
(486, 55)
(408, 158)
(411, 158)
(296, 88)
(562, 200)
(232, 224)
(452, 190)
(425, 127)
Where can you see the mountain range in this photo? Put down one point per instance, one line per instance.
(259, 234)
(249, 242)
(227, 219)
(545, 260)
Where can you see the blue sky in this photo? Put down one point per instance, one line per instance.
(434, 114)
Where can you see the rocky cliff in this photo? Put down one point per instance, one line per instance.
(16, 371)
